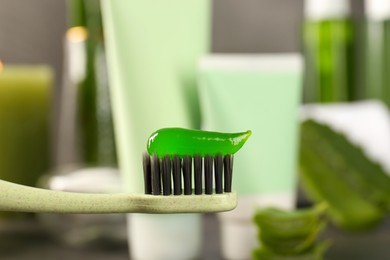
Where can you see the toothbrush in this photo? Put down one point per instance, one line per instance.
(157, 170)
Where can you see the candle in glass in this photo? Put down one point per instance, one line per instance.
(25, 93)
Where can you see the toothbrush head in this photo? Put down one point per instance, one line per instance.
(174, 152)
(192, 167)
(172, 187)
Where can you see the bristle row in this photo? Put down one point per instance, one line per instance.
(187, 175)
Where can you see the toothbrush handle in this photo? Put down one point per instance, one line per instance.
(15, 197)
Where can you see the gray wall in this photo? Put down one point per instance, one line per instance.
(31, 31)
(257, 25)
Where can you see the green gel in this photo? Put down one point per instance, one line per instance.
(180, 141)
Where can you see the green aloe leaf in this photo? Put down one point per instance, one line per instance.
(315, 253)
(288, 224)
(337, 172)
(289, 232)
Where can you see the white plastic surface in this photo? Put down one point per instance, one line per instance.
(326, 9)
(377, 9)
(104, 179)
(253, 62)
(162, 238)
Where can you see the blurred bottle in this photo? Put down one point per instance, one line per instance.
(86, 155)
(328, 49)
(86, 116)
(377, 50)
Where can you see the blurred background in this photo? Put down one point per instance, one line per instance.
(33, 32)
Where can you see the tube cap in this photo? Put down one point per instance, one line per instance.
(326, 9)
(238, 238)
(165, 237)
(377, 9)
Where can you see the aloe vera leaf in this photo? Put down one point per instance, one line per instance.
(294, 244)
(337, 160)
(320, 165)
(287, 224)
(315, 253)
(366, 176)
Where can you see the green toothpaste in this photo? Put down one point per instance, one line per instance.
(181, 142)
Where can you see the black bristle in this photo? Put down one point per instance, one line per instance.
(176, 167)
(166, 175)
(147, 174)
(156, 177)
(208, 174)
(160, 174)
(218, 168)
(198, 174)
(228, 172)
(187, 173)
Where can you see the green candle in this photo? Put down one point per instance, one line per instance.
(25, 93)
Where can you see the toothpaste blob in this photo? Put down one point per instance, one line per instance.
(181, 142)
